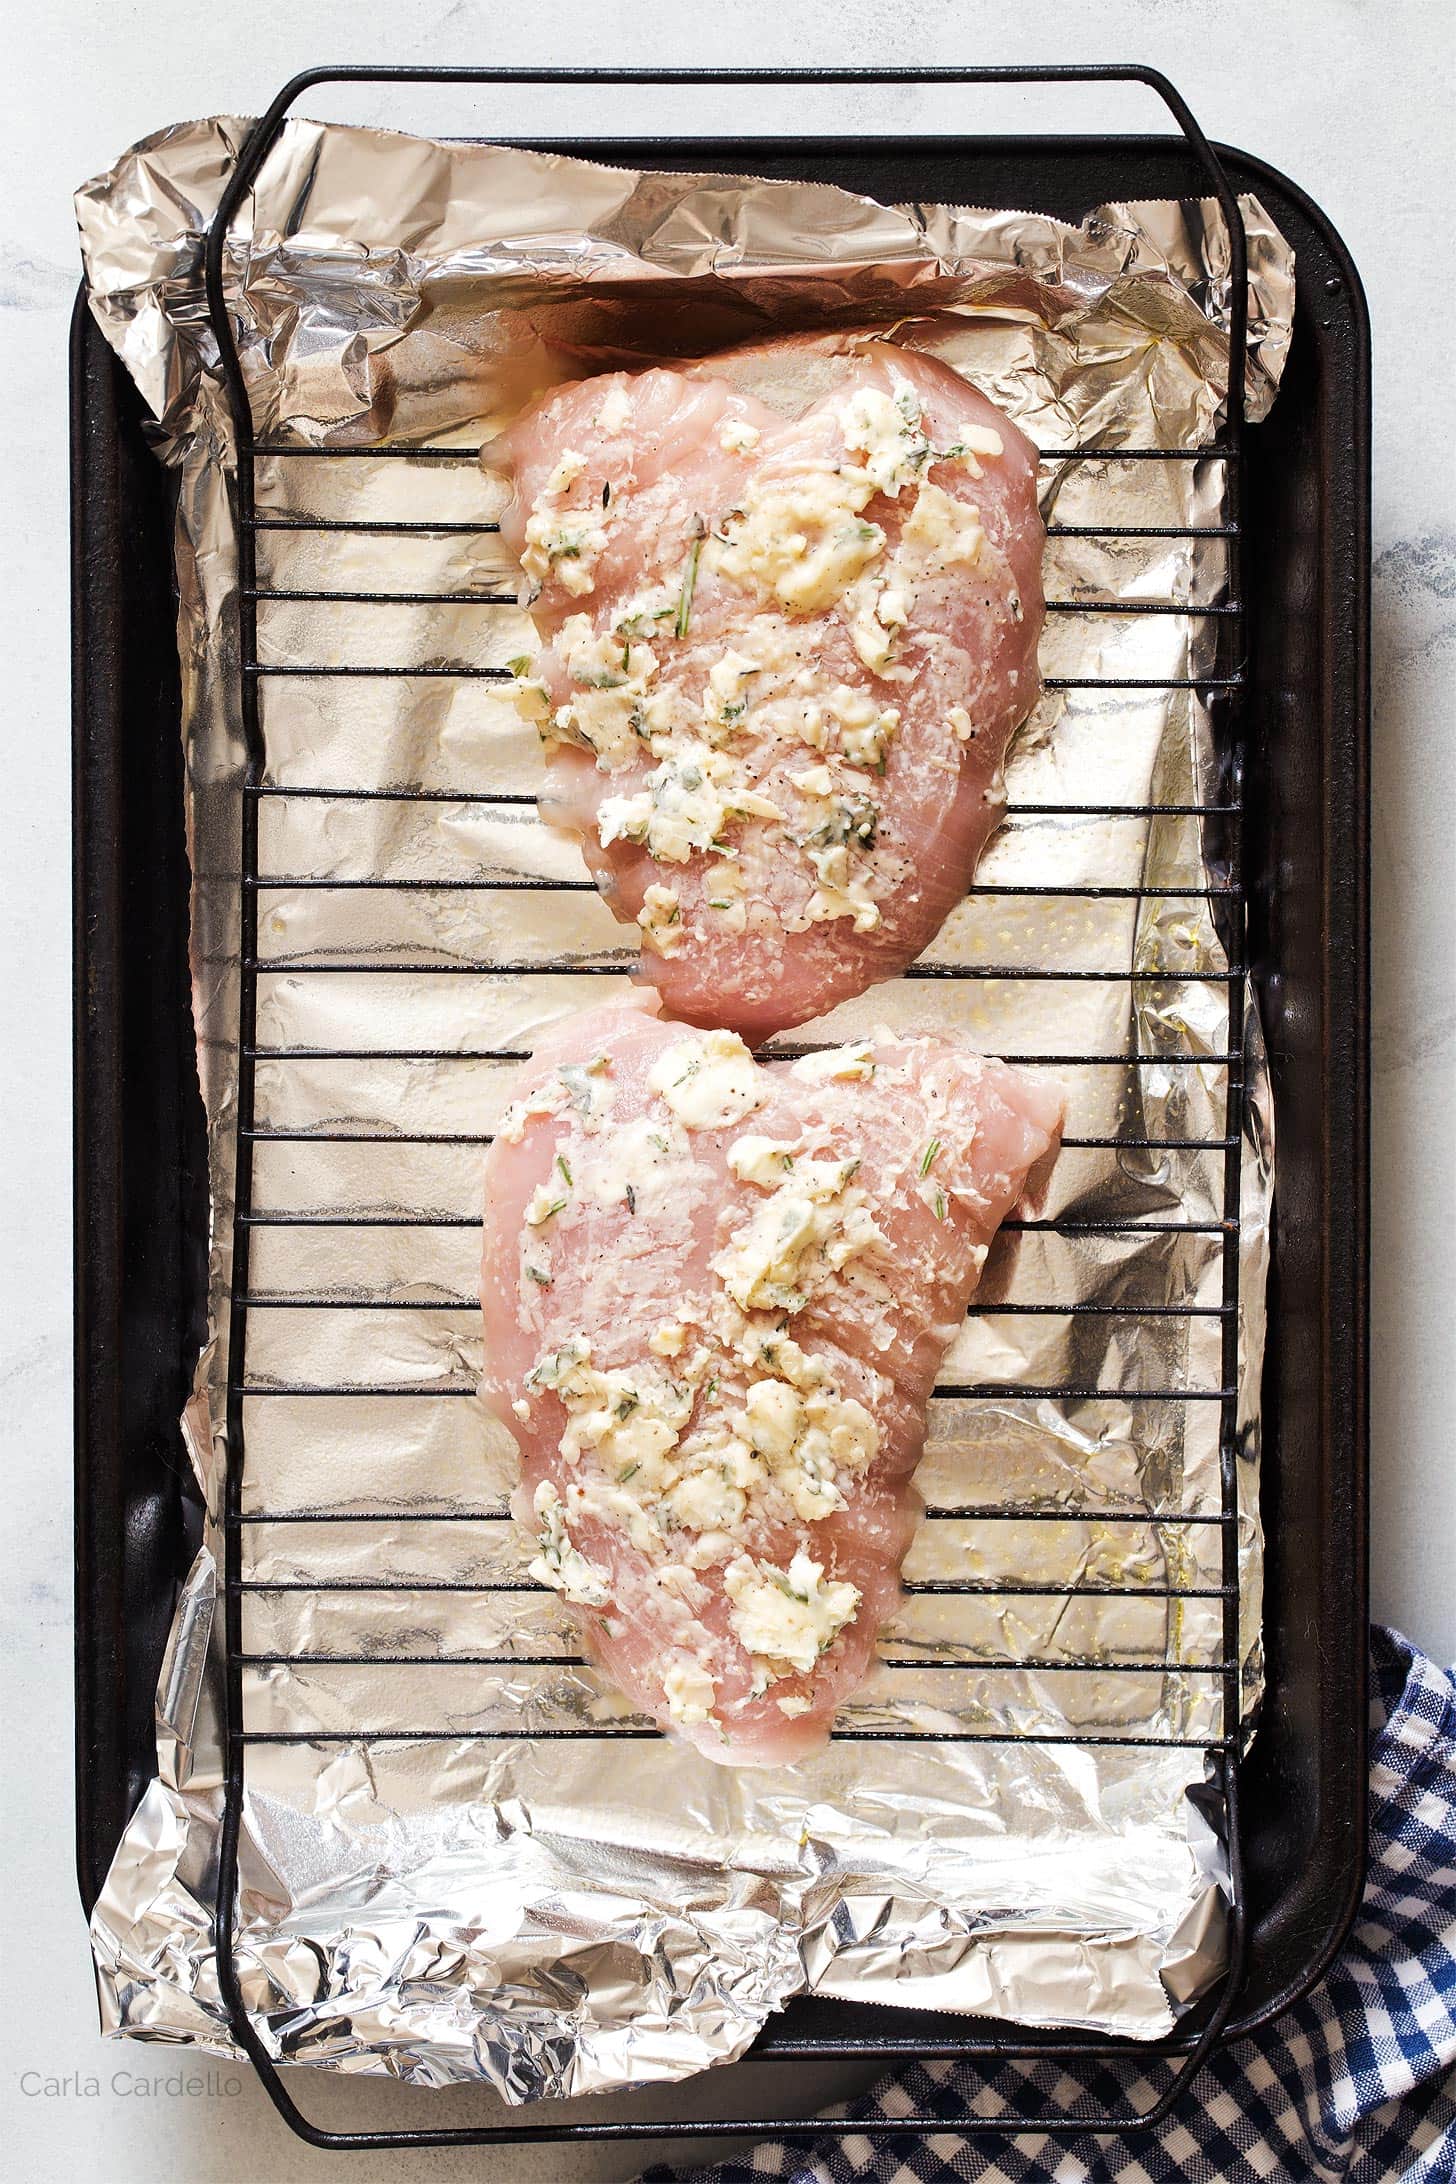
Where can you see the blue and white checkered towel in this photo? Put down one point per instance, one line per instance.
(1356, 2083)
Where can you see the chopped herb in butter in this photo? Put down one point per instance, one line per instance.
(690, 578)
(762, 1160)
(559, 1564)
(866, 727)
(723, 891)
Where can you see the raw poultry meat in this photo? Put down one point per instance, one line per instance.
(780, 661)
(716, 1294)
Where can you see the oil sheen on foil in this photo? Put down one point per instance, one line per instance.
(551, 1914)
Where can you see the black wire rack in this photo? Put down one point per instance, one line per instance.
(1222, 684)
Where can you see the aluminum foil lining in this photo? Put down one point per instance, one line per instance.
(561, 1914)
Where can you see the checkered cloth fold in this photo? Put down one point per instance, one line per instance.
(1356, 2083)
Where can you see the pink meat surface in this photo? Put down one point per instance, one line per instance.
(716, 1294)
(780, 663)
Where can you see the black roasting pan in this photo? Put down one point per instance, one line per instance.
(140, 1190)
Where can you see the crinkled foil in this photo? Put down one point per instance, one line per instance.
(562, 1915)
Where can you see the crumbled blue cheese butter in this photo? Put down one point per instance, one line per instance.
(689, 1690)
(660, 920)
(545, 1200)
(634, 1161)
(770, 1350)
(725, 894)
(708, 1081)
(841, 892)
(801, 539)
(646, 612)
(786, 1618)
(889, 431)
(761, 1160)
(814, 781)
(737, 437)
(581, 1088)
(615, 411)
(808, 1441)
(688, 801)
(566, 473)
(613, 711)
(836, 1064)
(559, 1564)
(810, 1227)
(872, 633)
(771, 1418)
(530, 696)
(940, 532)
(973, 440)
(564, 542)
(839, 826)
(630, 1420)
(865, 726)
(727, 692)
(707, 1499)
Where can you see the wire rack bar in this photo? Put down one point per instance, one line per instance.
(620, 967)
(976, 1311)
(526, 882)
(1142, 530)
(968, 1391)
(345, 794)
(984, 1512)
(255, 673)
(394, 672)
(1060, 1227)
(387, 529)
(486, 1137)
(1032, 1665)
(1089, 451)
(782, 1054)
(1081, 1740)
(1189, 609)
(943, 1588)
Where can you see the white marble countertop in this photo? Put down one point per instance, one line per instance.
(1353, 101)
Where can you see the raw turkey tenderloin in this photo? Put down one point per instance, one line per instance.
(780, 662)
(716, 1294)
